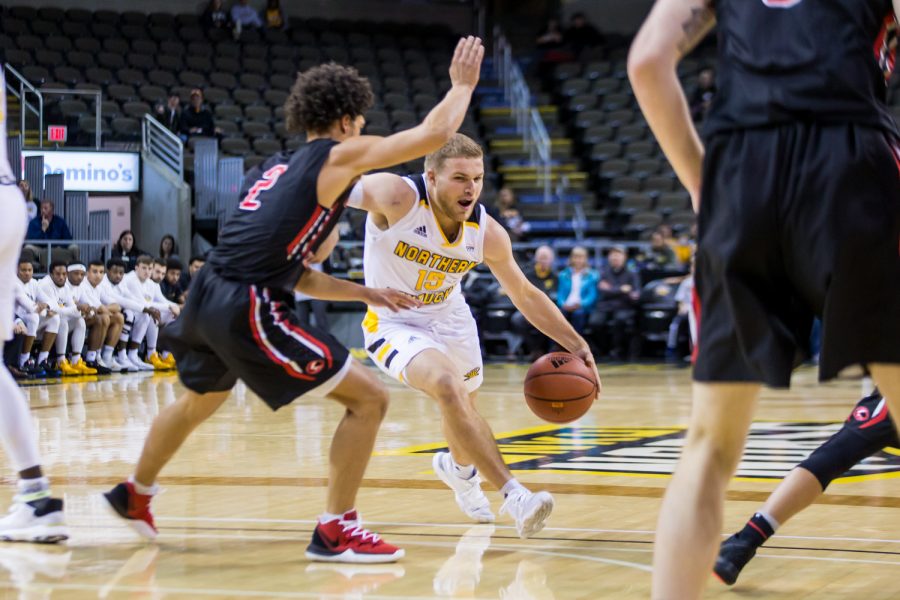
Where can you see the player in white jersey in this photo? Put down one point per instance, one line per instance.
(101, 289)
(134, 308)
(53, 290)
(38, 318)
(103, 323)
(423, 234)
(162, 312)
(35, 515)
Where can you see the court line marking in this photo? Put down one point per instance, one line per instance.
(207, 591)
(519, 549)
(468, 525)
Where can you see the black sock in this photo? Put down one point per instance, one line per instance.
(756, 531)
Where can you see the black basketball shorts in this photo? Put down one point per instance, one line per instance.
(797, 221)
(229, 331)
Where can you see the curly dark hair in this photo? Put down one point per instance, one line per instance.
(323, 94)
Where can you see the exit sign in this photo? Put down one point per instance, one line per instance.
(57, 133)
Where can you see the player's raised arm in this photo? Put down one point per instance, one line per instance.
(671, 31)
(365, 153)
(534, 304)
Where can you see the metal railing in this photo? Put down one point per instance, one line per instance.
(98, 96)
(163, 145)
(25, 88)
(528, 120)
(87, 250)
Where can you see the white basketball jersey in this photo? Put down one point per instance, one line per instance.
(414, 256)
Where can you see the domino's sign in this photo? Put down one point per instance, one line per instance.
(93, 171)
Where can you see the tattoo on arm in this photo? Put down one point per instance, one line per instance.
(698, 24)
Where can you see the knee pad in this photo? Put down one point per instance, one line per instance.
(843, 450)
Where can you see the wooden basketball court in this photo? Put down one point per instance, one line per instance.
(241, 498)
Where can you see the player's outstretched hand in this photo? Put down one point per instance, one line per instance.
(392, 299)
(587, 356)
(466, 64)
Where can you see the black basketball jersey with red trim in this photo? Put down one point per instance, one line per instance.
(278, 221)
(784, 61)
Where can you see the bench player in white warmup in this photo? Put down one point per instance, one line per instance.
(423, 234)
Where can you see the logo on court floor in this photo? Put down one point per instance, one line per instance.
(773, 449)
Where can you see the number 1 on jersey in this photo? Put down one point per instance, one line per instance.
(267, 182)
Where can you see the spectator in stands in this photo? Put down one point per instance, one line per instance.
(659, 256)
(126, 250)
(48, 226)
(30, 205)
(169, 114)
(577, 293)
(620, 290)
(543, 276)
(274, 15)
(552, 37)
(167, 247)
(684, 298)
(685, 245)
(243, 16)
(551, 49)
(215, 16)
(171, 285)
(510, 218)
(581, 34)
(703, 95)
(197, 120)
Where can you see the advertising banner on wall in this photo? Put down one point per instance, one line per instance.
(93, 171)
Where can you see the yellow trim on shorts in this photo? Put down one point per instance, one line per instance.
(384, 350)
(370, 322)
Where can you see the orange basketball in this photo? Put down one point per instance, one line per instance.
(560, 388)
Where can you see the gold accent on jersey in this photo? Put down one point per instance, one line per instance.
(433, 260)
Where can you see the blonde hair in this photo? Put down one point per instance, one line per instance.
(459, 146)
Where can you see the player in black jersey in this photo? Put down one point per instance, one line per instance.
(866, 431)
(797, 186)
(238, 323)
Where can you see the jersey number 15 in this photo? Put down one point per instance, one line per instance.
(266, 182)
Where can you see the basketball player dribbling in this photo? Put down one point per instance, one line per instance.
(424, 232)
(238, 322)
(35, 515)
(796, 184)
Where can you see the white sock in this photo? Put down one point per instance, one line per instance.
(463, 471)
(164, 354)
(150, 351)
(133, 357)
(328, 517)
(511, 486)
(76, 358)
(42, 356)
(33, 486)
(144, 490)
(769, 519)
(23, 358)
(107, 353)
(90, 356)
(123, 356)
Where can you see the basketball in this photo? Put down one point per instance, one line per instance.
(560, 388)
